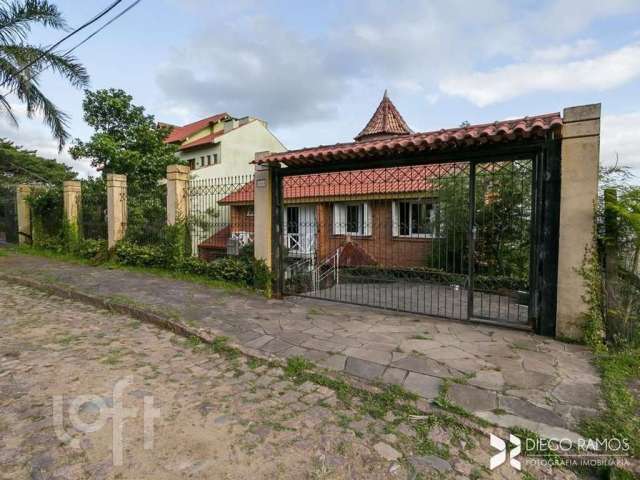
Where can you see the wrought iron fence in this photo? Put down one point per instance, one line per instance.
(220, 218)
(8, 214)
(450, 240)
(93, 209)
(146, 215)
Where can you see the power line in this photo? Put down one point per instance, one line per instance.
(66, 37)
(35, 74)
(102, 27)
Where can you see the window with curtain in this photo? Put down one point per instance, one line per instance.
(352, 219)
(414, 218)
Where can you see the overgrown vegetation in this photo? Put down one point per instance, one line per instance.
(611, 275)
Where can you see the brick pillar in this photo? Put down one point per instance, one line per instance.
(116, 208)
(263, 212)
(71, 200)
(177, 183)
(24, 214)
(578, 198)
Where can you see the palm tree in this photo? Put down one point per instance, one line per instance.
(21, 63)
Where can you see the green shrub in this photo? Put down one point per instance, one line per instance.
(128, 253)
(47, 212)
(92, 249)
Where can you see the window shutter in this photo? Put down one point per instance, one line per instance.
(339, 219)
(395, 218)
(366, 221)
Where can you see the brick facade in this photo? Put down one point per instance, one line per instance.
(381, 245)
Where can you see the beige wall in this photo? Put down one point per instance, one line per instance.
(201, 152)
(578, 197)
(263, 214)
(237, 149)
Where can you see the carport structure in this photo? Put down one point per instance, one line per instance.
(484, 223)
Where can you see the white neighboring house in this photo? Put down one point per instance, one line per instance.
(217, 148)
(223, 146)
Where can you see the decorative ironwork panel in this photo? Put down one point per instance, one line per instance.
(93, 209)
(409, 239)
(221, 216)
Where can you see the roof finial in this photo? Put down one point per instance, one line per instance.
(385, 122)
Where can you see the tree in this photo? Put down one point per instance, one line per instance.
(18, 165)
(126, 140)
(21, 63)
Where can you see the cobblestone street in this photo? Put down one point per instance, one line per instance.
(534, 382)
(219, 417)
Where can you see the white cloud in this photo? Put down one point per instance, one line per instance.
(255, 67)
(620, 140)
(33, 135)
(565, 52)
(595, 74)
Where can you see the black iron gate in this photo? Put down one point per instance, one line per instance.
(469, 239)
(8, 215)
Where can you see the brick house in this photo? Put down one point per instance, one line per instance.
(382, 216)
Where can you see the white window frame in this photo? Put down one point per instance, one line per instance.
(395, 211)
(340, 219)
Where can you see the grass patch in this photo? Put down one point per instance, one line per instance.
(221, 346)
(375, 404)
(114, 357)
(67, 340)
(421, 337)
(621, 419)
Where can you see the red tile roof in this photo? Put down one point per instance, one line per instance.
(202, 141)
(386, 121)
(179, 134)
(378, 181)
(218, 239)
(509, 130)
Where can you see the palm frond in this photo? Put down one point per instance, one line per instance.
(35, 101)
(56, 119)
(17, 16)
(65, 65)
(7, 111)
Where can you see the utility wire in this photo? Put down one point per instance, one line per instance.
(66, 37)
(35, 74)
(102, 27)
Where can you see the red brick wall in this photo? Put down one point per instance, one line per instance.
(380, 245)
(240, 221)
(385, 249)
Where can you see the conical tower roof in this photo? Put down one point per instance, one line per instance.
(385, 122)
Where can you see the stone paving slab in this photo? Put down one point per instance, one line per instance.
(489, 368)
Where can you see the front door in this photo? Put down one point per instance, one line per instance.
(300, 229)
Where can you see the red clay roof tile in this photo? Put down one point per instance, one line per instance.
(496, 132)
(386, 121)
(179, 134)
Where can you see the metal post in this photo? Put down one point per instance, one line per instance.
(471, 237)
(277, 252)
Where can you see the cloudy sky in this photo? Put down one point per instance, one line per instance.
(317, 70)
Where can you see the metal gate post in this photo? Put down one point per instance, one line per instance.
(471, 237)
(277, 222)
